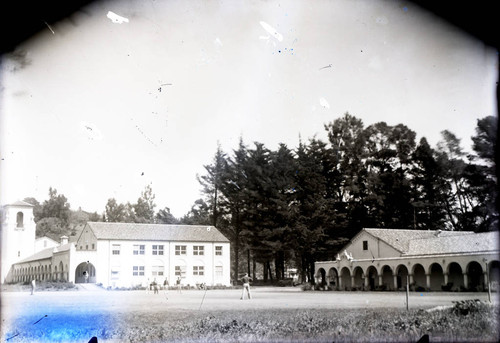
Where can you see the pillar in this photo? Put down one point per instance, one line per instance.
(380, 280)
(466, 280)
(366, 281)
(395, 282)
(411, 278)
(445, 278)
(428, 281)
(340, 283)
(352, 281)
(485, 279)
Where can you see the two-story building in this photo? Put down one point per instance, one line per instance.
(114, 254)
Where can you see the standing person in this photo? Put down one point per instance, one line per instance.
(179, 284)
(246, 286)
(165, 283)
(155, 287)
(33, 286)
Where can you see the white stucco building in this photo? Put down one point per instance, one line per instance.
(386, 258)
(118, 254)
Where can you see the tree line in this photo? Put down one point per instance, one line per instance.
(291, 207)
(287, 208)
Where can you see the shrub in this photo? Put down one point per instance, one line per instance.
(447, 287)
(306, 287)
(464, 307)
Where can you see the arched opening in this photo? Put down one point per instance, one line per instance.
(61, 271)
(494, 275)
(437, 276)
(419, 278)
(358, 278)
(402, 274)
(372, 276)
(85, 273)
(455, 276)
(333, 277)
(475, 276)
(387, 278)
(320, 277)
(345, 275)
(20, 219)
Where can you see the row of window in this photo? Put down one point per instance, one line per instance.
(140, 249)
(160, 271)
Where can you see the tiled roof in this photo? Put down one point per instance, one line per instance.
(45, 253)
(156, 232)
(474, 242)
(41, 255)
(400, 239)
(20, 203)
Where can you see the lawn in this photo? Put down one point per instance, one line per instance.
(273, 315)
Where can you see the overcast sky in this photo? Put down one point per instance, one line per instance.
(123, 94)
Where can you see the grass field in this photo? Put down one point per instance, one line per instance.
(272, 315)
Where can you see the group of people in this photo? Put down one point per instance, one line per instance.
(245, 280)
(155, 287)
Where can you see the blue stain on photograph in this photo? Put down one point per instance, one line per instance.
(60, 327)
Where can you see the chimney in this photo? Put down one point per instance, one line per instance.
(64, 240)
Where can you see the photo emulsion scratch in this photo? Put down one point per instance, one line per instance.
(248, 171)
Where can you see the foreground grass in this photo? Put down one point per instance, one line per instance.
(459, 324)
(383, 325)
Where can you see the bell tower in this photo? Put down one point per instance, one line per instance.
(17, 235)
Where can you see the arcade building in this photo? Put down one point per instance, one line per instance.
(386, 259)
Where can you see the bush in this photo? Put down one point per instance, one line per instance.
(306, 287)
(464, 307)
(447, 287)
(285, 283)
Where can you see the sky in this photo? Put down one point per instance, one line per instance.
(125, 94)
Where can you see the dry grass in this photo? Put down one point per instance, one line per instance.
(443, 325)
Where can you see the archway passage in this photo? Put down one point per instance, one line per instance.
(436, 277)
(372, 276)
(85, 273)
(475, 276)
(494, 275)
(455, 277)
(402, 276)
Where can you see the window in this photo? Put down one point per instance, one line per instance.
(115, 273)
(365, 245)
(115, 249)
(198, 270)
(180, 271)
(18, 253)
(180, 250)
(139, 249)
(198, 250)
(218, 250)
(157, 249)
(93, 246)
(158, 270)
(86, 247)
(20, 219)
(218, 271)
(138, 270)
